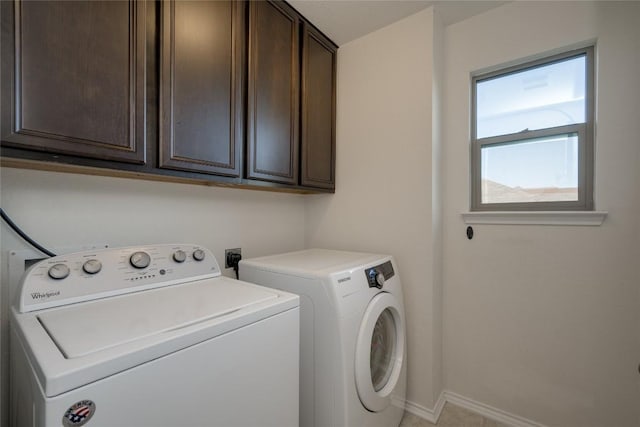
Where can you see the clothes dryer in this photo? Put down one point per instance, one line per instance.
(151, 336)
(352, 333)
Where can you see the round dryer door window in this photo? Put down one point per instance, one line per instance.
(379, 352)
(383, 349)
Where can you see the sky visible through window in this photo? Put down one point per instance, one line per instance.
(537, 98)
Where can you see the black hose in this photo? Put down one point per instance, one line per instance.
(24, 235)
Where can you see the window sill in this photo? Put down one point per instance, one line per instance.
(590, 218)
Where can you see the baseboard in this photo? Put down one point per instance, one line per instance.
(489, 411)
(431, 415)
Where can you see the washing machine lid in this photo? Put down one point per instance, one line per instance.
(87, 328)
(314, 262)
(78, 344)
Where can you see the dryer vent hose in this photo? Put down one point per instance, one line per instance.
(22, 234)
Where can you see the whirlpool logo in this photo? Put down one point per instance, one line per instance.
(44, 295)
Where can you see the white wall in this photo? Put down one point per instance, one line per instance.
(384, 199)
(60, 210)
(543, 321)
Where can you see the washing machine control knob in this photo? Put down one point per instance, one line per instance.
(198, 255)
(59, 271)
(92, 266)
(179, 256)
(140, 259)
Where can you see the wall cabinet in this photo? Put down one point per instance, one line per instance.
(318, 110)
(291, 106)
(229, 92)
(273, 94)
(74, 78)
(201, 82)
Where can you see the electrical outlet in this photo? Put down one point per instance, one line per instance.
(229, 259)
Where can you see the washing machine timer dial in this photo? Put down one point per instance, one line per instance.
(140, 259)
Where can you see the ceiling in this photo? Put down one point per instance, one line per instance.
(346, 20)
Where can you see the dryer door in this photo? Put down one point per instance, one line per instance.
(379, 352)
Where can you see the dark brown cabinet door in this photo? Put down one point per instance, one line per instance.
(318, 110)
(202, 58)
(273, 92)
(74, 78)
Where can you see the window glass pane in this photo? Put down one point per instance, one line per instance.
(534, 170)
(537, 98)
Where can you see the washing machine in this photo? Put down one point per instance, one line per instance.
(151, 336)
(352, 333)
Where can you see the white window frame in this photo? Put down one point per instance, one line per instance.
(585, 132)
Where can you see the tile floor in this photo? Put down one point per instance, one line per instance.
(452, 416)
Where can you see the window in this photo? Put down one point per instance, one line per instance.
(532, 135)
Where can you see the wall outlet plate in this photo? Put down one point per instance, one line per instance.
(227, 256)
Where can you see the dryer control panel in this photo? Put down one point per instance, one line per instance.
(376, 276)
(83, 276)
